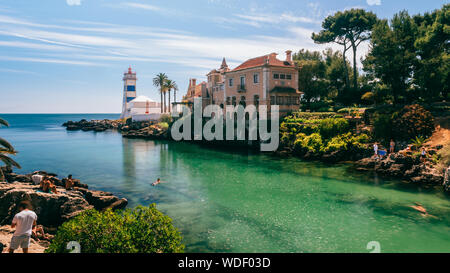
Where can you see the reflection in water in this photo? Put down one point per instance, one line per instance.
(223, 201)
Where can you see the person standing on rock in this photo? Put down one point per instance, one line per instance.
(375, 149)
(392, 146)
(24, 222)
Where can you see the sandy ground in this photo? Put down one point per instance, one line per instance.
(440, 137)
(6, 233)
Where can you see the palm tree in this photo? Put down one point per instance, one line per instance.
(171, 85)
(6, 149)
(159, 81)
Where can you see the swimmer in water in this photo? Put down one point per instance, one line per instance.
(158, 181)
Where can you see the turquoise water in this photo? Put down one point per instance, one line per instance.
(237, 201)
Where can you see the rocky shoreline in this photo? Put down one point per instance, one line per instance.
(402, 165)
(143, 129)
(407, 166)
(52, 209)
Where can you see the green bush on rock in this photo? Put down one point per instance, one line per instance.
(141, 230)
(331, 127)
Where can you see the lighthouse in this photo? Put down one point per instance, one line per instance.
(129, 91)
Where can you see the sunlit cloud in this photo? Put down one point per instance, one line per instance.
(373, 2)
(73, 2)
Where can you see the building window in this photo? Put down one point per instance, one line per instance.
(230, 82)
(255, 78)
(272, 100)
(233, 101)
(228, 100)
(288, 77)
(276, 76)
(242, 80)
(282, 76)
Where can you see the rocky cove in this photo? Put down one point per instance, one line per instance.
(403, 165)
(52, 209)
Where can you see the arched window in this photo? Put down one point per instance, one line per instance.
(256, 101)
(233, 101)
(242, 101)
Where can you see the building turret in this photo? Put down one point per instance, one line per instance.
(129, 91)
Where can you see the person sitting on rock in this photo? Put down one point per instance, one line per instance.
(37, 178)
(24, 221)
(69, 182)
(47, 186)
(38, 232)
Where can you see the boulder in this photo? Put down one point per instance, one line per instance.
(53, 209)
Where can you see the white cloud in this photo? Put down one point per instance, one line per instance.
(73, 2)
(374, 2)
(141, 6)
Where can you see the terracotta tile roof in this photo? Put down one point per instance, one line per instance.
(259, 61)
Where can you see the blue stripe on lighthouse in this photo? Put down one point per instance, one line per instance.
(130, 99)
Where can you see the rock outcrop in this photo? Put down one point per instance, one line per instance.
(405, 166)
(153, 131)
(53, 209)
(91, 125)
(130, 129)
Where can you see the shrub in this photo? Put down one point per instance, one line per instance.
(165, 118)
(141, 230)
(347, 142)
(312, 143)
(331, 127)
(311, 115)
(412, 121)
(163, 125)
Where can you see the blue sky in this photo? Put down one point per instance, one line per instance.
(68, 56)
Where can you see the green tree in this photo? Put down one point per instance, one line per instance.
(170, 85)
(335, 72)
(392, 57)
(433, 48)
(311, 79)
(348, 28)
(6, 149)
(141, 230)
(159, 81)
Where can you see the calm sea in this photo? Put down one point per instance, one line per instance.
(238, 202)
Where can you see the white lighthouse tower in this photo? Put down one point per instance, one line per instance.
(129, 91)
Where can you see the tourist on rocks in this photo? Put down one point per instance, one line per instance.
(69, 182)
(23, 222)
(375, 149)
(47, 186)
(392, 146)
(423, 155)
(38, 232)
(37, 178)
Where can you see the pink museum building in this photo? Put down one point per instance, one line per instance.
(263, 80)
